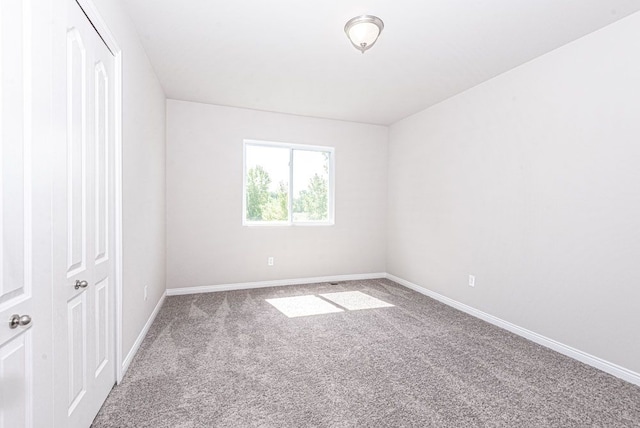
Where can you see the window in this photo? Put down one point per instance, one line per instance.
(287, 184)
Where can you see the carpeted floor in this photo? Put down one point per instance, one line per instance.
(232, 359)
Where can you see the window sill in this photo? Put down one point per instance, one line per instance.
(285, 224)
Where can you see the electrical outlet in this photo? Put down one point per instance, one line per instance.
(270, 261)
(145, 293)
(472, 281)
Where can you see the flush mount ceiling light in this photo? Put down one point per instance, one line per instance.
(363, 31)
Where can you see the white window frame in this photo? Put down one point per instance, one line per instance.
(291, 147)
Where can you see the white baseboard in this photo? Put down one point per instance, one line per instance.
(275, 283)
(136, 345)
(599, 363)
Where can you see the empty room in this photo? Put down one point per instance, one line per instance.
(319, 214)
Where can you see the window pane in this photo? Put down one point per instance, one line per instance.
(310, 186)
(267, 186)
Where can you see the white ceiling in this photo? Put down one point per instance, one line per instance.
(292, 56)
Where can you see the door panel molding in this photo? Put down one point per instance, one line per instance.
(77, 330)
(101, 321)
(15, 363)
(101, 166)
(76, 154)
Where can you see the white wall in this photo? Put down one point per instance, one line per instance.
(206, 242)
(531, 182)
(143, 141)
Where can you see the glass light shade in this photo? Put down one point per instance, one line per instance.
(363, 31)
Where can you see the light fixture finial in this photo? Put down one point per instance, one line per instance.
(363, 31)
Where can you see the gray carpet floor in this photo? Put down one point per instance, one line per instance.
(231, 359)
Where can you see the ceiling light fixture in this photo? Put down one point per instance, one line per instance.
(363, 31)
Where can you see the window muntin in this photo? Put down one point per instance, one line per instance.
(287, 184)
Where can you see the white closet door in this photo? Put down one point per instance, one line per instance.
(84, 221)
(25, 214)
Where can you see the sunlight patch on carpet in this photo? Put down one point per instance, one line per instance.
(302, 306)
(355, 300)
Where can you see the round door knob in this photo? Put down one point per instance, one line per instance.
(81, 284)
(17, 320)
